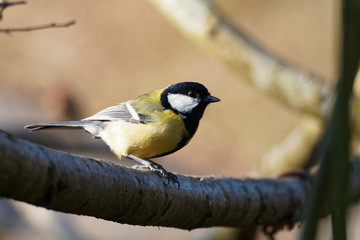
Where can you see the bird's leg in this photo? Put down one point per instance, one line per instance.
(154, 167)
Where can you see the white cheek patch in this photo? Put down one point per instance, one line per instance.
(182, 103)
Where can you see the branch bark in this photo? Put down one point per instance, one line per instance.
(62, 182)
(40, 27)
(55, 180)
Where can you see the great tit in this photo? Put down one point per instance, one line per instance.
(152, 125)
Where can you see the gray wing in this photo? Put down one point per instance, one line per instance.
(123, 111)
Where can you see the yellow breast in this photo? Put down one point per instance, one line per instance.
(146, 140)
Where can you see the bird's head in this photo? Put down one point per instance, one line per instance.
(187, 98)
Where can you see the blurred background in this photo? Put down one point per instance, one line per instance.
(120, 49)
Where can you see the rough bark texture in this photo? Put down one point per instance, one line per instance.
(55, 180)
(72, 184)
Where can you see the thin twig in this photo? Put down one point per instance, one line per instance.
(5, 4)
(45, 26)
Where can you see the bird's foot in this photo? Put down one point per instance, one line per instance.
(155, 167)
(168, 175)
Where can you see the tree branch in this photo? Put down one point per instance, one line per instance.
(33, 28)
(203, 23)
(5, 4)
(59, 181)
(295, 149)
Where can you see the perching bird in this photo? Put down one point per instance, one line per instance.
(152, 125)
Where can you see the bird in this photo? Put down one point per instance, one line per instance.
(151, 125)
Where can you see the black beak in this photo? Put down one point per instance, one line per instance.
(211, 99)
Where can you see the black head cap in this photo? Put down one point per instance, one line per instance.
(187, 88)
(188, 99)
(191, 89)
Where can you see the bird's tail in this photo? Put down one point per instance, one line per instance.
(66, 124)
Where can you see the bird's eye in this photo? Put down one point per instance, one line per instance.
(193, 94)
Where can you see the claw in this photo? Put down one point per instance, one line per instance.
(155, 167)
(168, 175)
